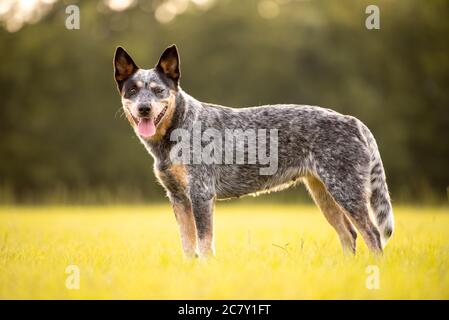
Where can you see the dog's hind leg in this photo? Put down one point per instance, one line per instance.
(333, 213)
(348, 189)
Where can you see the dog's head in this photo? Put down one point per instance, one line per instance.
(148, 95)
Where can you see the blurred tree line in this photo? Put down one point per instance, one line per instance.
(63, 136)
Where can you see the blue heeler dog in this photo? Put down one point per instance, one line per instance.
(336, 156)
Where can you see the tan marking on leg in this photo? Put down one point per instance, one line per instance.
(367, 229)
(333, 213)
(187, 229)
(179, 173)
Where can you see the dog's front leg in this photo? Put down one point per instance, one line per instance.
(187, 228)
(203, 213)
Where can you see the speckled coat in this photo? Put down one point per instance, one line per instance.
(335, 155)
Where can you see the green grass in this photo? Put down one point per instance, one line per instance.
(263, 252)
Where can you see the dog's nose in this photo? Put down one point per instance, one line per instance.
(143, 109)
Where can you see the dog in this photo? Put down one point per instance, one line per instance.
(334, 155)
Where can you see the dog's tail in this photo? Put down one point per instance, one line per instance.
(379, 197)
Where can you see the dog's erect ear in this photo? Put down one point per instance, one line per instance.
(169, 63)
(124, 67)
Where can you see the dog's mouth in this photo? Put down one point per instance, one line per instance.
(146, 126)
(160, 115)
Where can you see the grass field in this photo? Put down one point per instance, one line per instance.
(263, 252)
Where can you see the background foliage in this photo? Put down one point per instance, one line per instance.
(62, 135)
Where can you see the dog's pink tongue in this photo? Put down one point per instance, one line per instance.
(146, 127)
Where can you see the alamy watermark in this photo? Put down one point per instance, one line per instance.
(228, 146)
(72, 282)
(72, 21)
(373, 20)
(372, 281)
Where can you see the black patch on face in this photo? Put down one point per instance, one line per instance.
(130, 89)
(141, 83)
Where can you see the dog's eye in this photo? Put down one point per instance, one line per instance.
(158, 90)
(132, 91)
